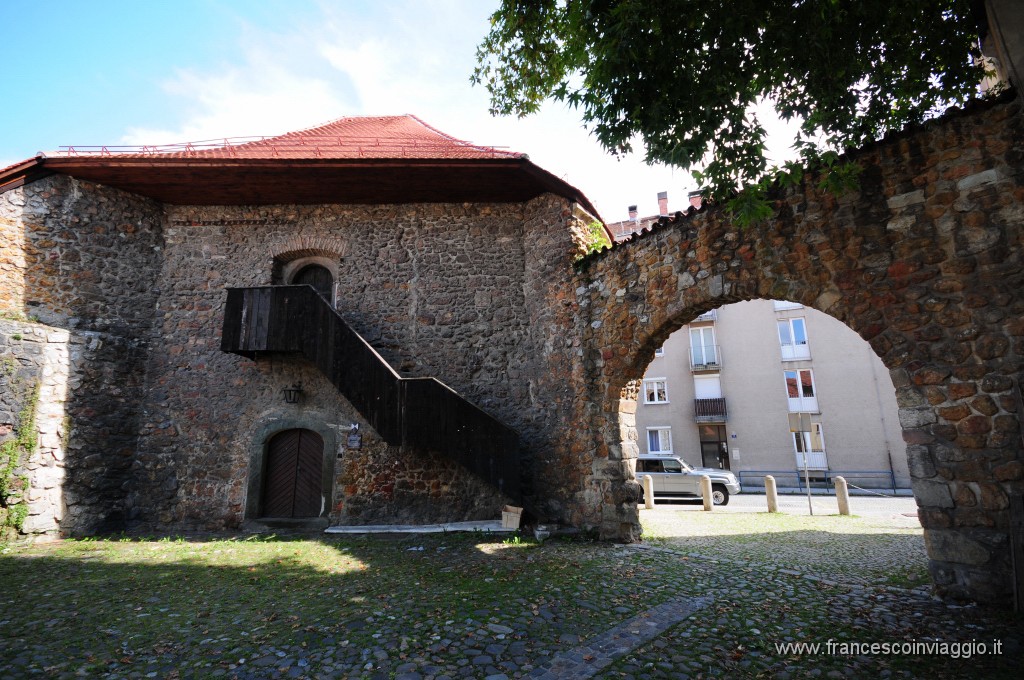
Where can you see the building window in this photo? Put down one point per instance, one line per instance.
(660, 352)
(800, 391)
(810, 448)
(708, 403)
(707, 387)
(793, 339)
(659, 440)
(786, 304)
(655, 391)
(703, 351)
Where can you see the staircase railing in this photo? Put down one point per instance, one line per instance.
(419, 412)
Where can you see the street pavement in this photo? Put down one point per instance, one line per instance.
(797, 504)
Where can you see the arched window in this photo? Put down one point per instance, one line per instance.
(317, 276)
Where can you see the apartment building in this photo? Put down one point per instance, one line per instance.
(769, 385)
(762, 384)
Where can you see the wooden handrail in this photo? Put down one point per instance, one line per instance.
(419, 412)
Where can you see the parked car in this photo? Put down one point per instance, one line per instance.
(675, 478)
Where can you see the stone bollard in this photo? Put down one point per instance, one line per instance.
(771, 493)
(842, 496)
(705, 492)
(648, 483)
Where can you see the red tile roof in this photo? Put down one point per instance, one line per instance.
(371, 159)
(369, 137)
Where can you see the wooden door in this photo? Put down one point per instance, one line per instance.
(318, 277)
(294, 473)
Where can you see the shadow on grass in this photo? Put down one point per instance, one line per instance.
(379, 606)
(201, 605)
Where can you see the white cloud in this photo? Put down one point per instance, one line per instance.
(396, 58)
(254, 98)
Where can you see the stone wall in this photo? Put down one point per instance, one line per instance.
(564, 474)
(84, 421)
(439, 290)
(22, 363)
(80, 255)
(925, 262)
(79, 260)
(168, 432)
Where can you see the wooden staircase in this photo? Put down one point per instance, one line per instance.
(419, 412)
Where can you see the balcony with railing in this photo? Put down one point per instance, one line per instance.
(710, 410)
(710, 315)
(705, 358)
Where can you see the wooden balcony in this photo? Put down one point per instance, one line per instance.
(417, 412)
(710, 410)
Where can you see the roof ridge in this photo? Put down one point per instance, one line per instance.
(479, 147)
(337, 120)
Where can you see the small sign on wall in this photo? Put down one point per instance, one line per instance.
(354, 440)
(735, 454)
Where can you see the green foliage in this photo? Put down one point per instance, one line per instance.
(13, 486)
(685, 77)
(597, 237)
(18, 316)
(750, 206)
(514, 539)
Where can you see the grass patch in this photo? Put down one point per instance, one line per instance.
(144, 605)
(368, 607)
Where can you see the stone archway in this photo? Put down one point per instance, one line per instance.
(925, 262)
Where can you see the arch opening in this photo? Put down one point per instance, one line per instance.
(781, 381)
(318, 268)
(291, 459)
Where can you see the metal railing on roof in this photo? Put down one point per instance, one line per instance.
(277, 144)
(710, 315)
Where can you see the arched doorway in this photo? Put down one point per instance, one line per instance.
(317, 276)
(294, 472)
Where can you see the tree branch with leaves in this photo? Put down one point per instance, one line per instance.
(684, 77)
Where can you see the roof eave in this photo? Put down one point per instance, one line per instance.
(23, 173)
(562, 188)
(36, 168)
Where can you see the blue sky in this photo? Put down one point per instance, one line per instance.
(92, 72)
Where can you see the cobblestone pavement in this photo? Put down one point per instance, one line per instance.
(435, 607)
(882, 544)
